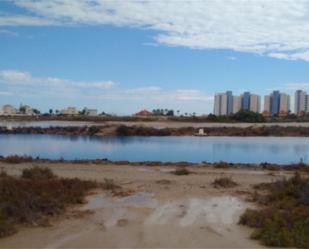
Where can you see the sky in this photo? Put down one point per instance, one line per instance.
(124, 56)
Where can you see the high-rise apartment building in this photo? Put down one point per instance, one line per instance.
(307, 103)
(300, 101)
(267, 103)
(245, 103)
(255, 103)
(223, 103)
(284, 101)
(229, 100)
(217, 104)
(236, 103)
(277, 103)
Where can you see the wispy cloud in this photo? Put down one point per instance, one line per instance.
(231, 58)
(278, 29)
(297, 86)
(8, 32)
(24, 83)
(19, 78)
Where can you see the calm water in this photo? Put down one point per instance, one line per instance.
(43, 124)
(282, 150)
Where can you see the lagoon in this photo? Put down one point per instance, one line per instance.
(280, 150)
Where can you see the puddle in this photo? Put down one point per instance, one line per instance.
(167, 170)
(213, 210)
(222, 210)
(143, 169)
(94, 202)
(140, 199)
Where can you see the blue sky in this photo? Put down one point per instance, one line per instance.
(120, 57)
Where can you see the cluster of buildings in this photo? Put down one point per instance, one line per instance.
(9, 110)
(74, 111)
(22, 110)
(275, 104)
(227, 104)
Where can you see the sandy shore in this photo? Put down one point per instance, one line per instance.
(162, 211)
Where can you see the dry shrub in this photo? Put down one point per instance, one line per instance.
(284, 219)
(38, 173)
(33, 198)
(224, 182)
(181, 171)
(15, 159)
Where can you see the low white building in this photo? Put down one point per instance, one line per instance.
(69, 111)
(8, 110)
(91, 112)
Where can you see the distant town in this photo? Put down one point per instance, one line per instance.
(276, 104)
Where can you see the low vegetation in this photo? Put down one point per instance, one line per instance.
(224, 182)
(37, 195)
(38, 173)
(141, 131)
(181, 171)
(283, 219)
(15, 159)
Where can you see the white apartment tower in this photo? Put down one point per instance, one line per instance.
(284, 103)
(267, 103)
(220, 107)
(255, 103)
(301, 99)
(236, 104)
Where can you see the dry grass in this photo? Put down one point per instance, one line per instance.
(224, 182)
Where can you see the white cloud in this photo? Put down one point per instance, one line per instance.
(14, 20)
(22, 83)
(19, 78)
(8, 32)
(278, 29)
(4, 93)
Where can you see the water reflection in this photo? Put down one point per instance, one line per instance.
(282, 150)
(43, 124)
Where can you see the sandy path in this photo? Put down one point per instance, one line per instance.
(164, 211)
(173, 124)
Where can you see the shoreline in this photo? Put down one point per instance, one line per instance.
(143, 130)
(15, 160)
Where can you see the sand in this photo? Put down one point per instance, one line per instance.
(162, 211)
(174, 124)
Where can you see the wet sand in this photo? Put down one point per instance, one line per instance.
(162, 210)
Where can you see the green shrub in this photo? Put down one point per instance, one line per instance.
(182, 171)
(284, 219)
(37, 173)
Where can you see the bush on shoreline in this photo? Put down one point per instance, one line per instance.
(181, 172)
(35, 196)
(283, 220)
(224, 182)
